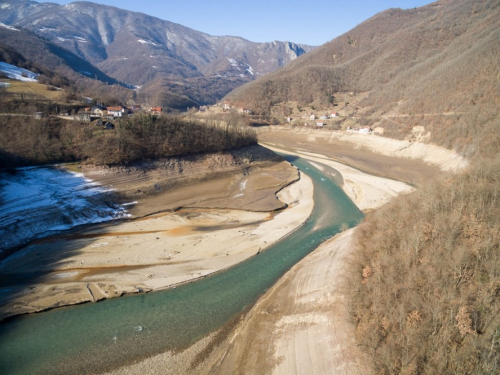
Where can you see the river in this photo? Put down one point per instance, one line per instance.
(96, 337)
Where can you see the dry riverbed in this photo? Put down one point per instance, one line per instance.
(301, 325)
(159, 250)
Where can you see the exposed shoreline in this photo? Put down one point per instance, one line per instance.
(161, 250)
(308, 329)
(93, 272)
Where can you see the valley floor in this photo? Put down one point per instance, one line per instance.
(302, 325)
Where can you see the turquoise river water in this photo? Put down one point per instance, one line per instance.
(95, 337)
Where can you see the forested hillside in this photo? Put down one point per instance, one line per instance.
(26, 141)
(425, 286)
(434, 66)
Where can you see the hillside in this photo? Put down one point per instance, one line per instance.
(21, 46)
(141, 50)
(434, 66)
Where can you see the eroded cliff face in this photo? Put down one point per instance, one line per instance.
(146, 178)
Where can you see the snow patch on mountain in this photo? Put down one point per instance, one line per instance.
(19, 74)
(7, 26)
(143, 41)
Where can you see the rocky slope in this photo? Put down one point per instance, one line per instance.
(137, 48)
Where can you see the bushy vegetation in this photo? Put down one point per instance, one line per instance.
(26, 141)
(426, 290)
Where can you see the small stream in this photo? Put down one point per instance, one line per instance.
(96, 337)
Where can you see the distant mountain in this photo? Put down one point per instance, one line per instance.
(47, 55)
(430, 66)
(140, 49)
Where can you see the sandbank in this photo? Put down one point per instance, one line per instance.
(160, 250)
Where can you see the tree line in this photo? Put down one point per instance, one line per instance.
(25, 141)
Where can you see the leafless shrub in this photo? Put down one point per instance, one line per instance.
(434, 306)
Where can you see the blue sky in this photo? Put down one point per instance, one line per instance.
(311, 22)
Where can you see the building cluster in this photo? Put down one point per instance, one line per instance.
(226, 106)
(100, 112)
(313, 117)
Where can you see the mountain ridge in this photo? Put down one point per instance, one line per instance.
(140, 49)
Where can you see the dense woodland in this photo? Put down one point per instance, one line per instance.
(26, 141)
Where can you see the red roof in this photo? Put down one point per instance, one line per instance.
(115, 108)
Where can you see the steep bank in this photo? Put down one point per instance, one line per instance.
(412, 162)
(142, 179)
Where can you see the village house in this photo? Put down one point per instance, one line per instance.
(324, 117)
(289, 119)
(135, 108)
(156, 110)
(312, 117)
(98, 110)
(226, 105)
(117, 111)
(83, 116)
(38, 115)
(320, 123)
(244, 110)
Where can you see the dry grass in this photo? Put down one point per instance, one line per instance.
(425, 295)
(30, 89)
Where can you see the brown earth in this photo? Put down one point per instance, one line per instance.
(232, 195)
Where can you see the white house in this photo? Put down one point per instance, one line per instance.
(118, 111)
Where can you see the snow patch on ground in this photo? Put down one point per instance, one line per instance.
(13, 72)
(35, 202)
